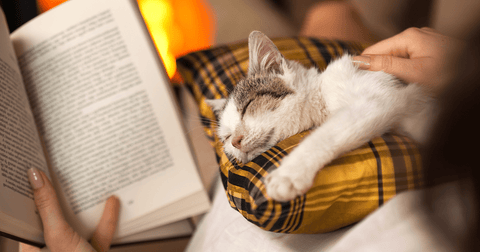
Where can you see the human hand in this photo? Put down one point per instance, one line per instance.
(59, 235)
(415, 55)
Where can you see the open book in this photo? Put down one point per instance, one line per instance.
(85, 98)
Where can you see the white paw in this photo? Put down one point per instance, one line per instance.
(281, 187)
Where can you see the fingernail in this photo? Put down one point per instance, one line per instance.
(35, 178)
(363, 62)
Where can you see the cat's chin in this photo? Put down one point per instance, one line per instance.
(241, 157)
(244, 157)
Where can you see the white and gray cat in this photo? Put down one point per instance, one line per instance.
(345, 106)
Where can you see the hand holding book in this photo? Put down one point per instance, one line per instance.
(59, 235)
(87, 101)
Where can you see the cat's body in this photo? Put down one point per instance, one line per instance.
(346, 107)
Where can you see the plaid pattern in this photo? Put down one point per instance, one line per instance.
(344, 192)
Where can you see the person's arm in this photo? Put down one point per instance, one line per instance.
(59, 235)
(415, 55)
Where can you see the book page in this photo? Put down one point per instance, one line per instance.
(172, 230)
(20, 147)
(103, 105)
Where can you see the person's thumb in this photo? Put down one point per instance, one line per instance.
(103, 235)
(57, 232)
(408, 70)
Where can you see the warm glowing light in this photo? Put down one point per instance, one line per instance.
(157, 12)
(45, 5)
(177, 27)
(158, 15)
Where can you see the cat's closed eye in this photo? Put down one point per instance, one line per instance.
(245, 108)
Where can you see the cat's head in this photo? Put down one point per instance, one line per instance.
(263, 109)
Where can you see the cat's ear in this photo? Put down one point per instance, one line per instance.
(264, 56)
(217, 105)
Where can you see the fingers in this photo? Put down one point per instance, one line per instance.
(404, 44)
(405, 69)
(395, 46)
(46, 202)
(102, 238)
(421, 56)
(59, 236)
(401, 55)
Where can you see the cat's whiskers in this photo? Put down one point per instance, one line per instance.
(195, 117)
(189, 134)
(193, 122)
(200, 121)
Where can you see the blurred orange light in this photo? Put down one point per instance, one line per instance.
(45, 5)
(176, 27)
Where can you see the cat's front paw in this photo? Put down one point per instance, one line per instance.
(283, 187)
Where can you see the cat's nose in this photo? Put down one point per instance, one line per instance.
(236, 141)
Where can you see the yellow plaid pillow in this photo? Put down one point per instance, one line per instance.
(344, 192)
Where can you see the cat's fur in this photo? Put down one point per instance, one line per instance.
(346, 106)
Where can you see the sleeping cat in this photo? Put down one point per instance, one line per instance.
(345, 106)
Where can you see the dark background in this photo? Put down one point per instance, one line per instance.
(18, 12)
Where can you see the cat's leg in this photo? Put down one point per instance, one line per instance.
(346, 130)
